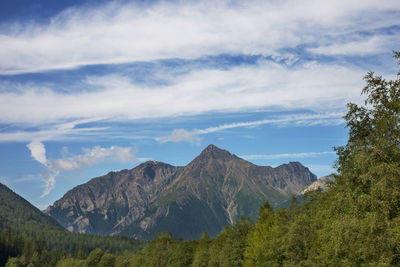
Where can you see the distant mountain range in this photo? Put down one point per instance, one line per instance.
(213, 190)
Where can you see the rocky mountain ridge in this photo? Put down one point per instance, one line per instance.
(213, 190)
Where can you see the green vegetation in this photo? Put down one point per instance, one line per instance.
(37, 239)
(354, 223)
(18, 214)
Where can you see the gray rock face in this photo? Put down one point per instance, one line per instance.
(322, 183)
(213, 190)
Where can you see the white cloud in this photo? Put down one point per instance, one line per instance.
(117, 33)
(287, 155)
(89, 158)
(92, 157)
(38, 151)
(179, 135)
(50, 134)
(365, 46)
(267, 85)
(282, 121)
(182, 135)
(49, 178)
(53, 131)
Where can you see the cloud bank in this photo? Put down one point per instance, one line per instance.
(121, 32)
(267, 85)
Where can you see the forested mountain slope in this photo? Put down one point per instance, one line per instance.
(27, 231)
(19, 215)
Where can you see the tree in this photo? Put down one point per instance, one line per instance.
(158, 251)
(108, 260)
(14, 262)
(234, 243)
(202, 254)
(183, 253)
(370, 159)
(94, 258)
(369, 170)
(255, 251)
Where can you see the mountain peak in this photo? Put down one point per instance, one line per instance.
(211, 153)
(215, 152)
(153, 163)
(211, 147)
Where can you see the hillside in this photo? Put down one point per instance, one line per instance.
(19, 215)
(213, 190)
(25, 230)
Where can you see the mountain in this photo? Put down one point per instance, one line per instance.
(213, 190)
(19, 215)
(322, 183)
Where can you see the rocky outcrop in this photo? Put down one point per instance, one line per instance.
(322, 183)
(213, 190)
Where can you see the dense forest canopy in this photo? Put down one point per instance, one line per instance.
(354, 223)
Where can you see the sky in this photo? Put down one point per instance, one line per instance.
(88, 87)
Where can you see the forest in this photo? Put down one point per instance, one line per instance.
(356, 222)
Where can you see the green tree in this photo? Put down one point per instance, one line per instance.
(202, 254)
(228, 247)
(159, 250)
(369, 166)
(254, 252)
(14, 262)
(94, 258)
(70, 262)
(183, 254)
(108, 260)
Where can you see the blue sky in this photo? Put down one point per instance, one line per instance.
(87, 87)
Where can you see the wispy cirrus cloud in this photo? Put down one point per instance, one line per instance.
(264, 86)
(52, 131)
(358, 46)
(193, 136)
(119, 32)
(287, 155)
(51, 134)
